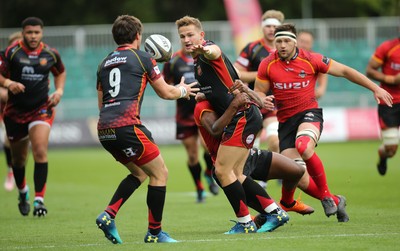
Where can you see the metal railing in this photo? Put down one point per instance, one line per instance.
(347, 40)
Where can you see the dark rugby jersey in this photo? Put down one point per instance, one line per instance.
(252, 55)
(3, 72)
(181, 65)
(123, 77)
(293, 81)
(388, 55)
(215, 77)
(30, 68)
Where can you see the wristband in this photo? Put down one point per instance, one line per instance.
(183, 91)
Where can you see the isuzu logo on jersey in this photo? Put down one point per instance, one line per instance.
(295, 85)
(395, 66)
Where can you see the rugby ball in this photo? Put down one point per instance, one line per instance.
(159, 47)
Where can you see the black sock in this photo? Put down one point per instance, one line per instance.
(122, 194)
(155, 204)
(195, 170)
(236, 195)
(254, 193)
(40, 178)
(209, 163)
(19, 176)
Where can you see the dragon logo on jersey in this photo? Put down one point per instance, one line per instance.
(302, 74)
(43, 61)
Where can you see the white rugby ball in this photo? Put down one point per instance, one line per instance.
(159, 47)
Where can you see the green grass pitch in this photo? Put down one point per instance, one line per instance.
(82, 181)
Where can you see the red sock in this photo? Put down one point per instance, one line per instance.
(287, 196)
(316, 170)
(312, 189)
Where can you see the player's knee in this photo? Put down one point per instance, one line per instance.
(302, 144)
(390, 150)
(390, 139)
(303, 139)
(301, 167)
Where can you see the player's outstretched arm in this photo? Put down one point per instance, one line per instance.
(166, 91)
(340, 70)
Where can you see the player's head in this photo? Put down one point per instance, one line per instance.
(190, 32)
(305, 40)
(14, 37)
(269, 21)
(126, 29)
(285, 40)
(32, 32)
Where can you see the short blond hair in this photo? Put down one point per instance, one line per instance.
(14, 37)
(273, 14)
(188, 20)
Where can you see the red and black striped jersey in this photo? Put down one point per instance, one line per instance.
(122, 76)
(216, 77)
(31, 68)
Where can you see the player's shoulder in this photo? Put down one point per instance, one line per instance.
(203, 105)
(177, 57)
(271, 58)
(254, 44)
(309, 55)
(389, 44)
(12, 48)
(141, 54)
(50, 48)
(209, 42)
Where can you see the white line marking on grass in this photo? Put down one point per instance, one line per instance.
(264, 236)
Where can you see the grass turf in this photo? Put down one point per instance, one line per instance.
(82, 181)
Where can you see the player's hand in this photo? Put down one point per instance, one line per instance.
(55, 98)
(200, 97)
(238, 85)
(240, 100)
(382, 95)
(268, 102)
(199, 49)
(190, 88)
(16, 87)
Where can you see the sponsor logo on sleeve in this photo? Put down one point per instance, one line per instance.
(326, 60)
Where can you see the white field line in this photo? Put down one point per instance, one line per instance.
(240, 237)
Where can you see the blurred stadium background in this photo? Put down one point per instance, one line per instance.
(348, 40)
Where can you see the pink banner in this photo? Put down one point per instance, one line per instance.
(245, 19)
(362, 123)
